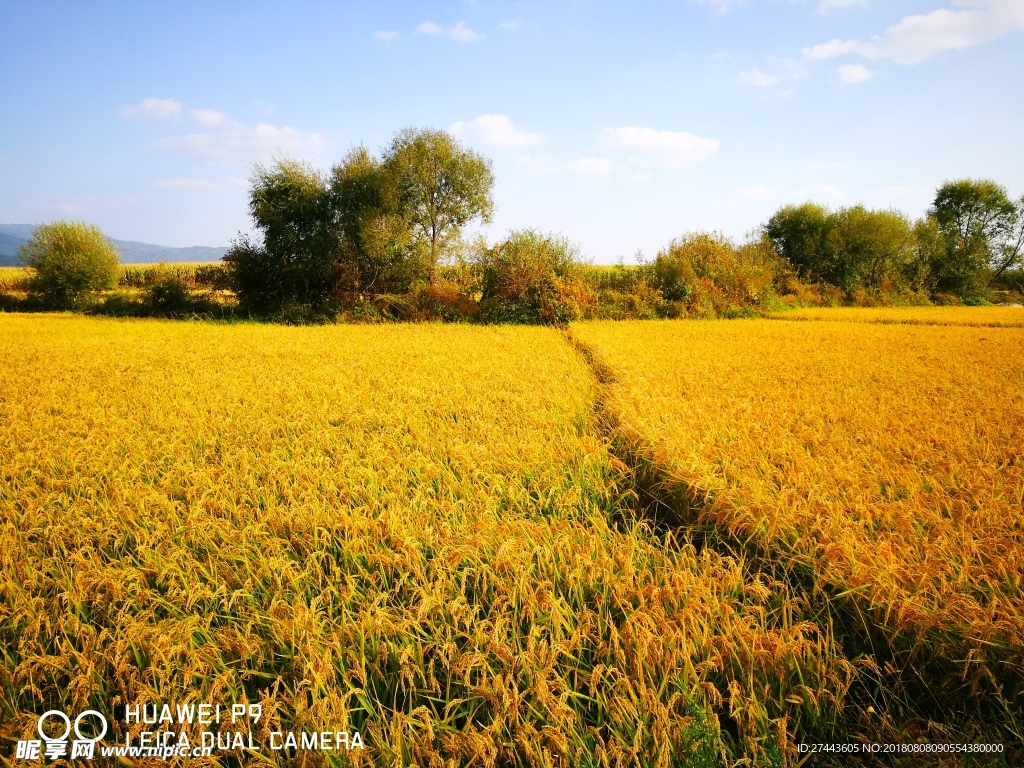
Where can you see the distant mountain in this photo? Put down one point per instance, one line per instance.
(132, 252)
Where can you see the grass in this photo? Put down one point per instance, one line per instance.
(880, 462)
(416, 531)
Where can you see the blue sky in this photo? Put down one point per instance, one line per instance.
(621, 125)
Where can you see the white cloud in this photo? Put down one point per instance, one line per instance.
(586, 166)
(759, 193)
(510, 24)
(464, 34)
(209, 117)
(827, 191)
(92, 206)
(386, 35)
(153, 109)
(429, 28)
(496, 130)
(722, 7)
(758, 79)
(460, 32)
(590, 166)
(677, 149)
(230, 141)
(221, 184)
(830, 5)
(919, 37)
(539, 163)
(854, 73)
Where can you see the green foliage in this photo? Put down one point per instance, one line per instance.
(379, 252)
(982, 232)
(256, 275)
(439, 186)
(374, 226)
(297, 257)
(531, 277)
(799, 234)
(216, 277)
(857, 250)
(866, 250)
(71, 260)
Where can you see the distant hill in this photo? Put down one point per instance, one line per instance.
(132, 252)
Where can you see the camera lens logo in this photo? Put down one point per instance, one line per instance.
(57, 746)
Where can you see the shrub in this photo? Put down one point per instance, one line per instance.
(255, 275)
(445, 299)
(705, 274)
(71, 260)
(216, 277)
(167, 292)
(531, 278)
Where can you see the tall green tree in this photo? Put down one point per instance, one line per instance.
(853, 248)
(799, 234)
(980, 226)
(298, 254)
(440, 187)
(1010, 248)
(865, 249)
(378, 243)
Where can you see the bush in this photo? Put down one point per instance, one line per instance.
(71, 260)
(531, 278)
(216, 277)
(167, 292)
(706, 275)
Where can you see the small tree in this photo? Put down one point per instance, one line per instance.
(440, 187)
(71, 259)
(1009, 251)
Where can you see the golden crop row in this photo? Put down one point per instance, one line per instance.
(886, 461)
(405, 530)
(996, 317)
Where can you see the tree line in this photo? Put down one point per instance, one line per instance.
(381, 236)
(969, 239)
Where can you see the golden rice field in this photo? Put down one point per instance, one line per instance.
(411, 531)
(972, 316)
(884, 461)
